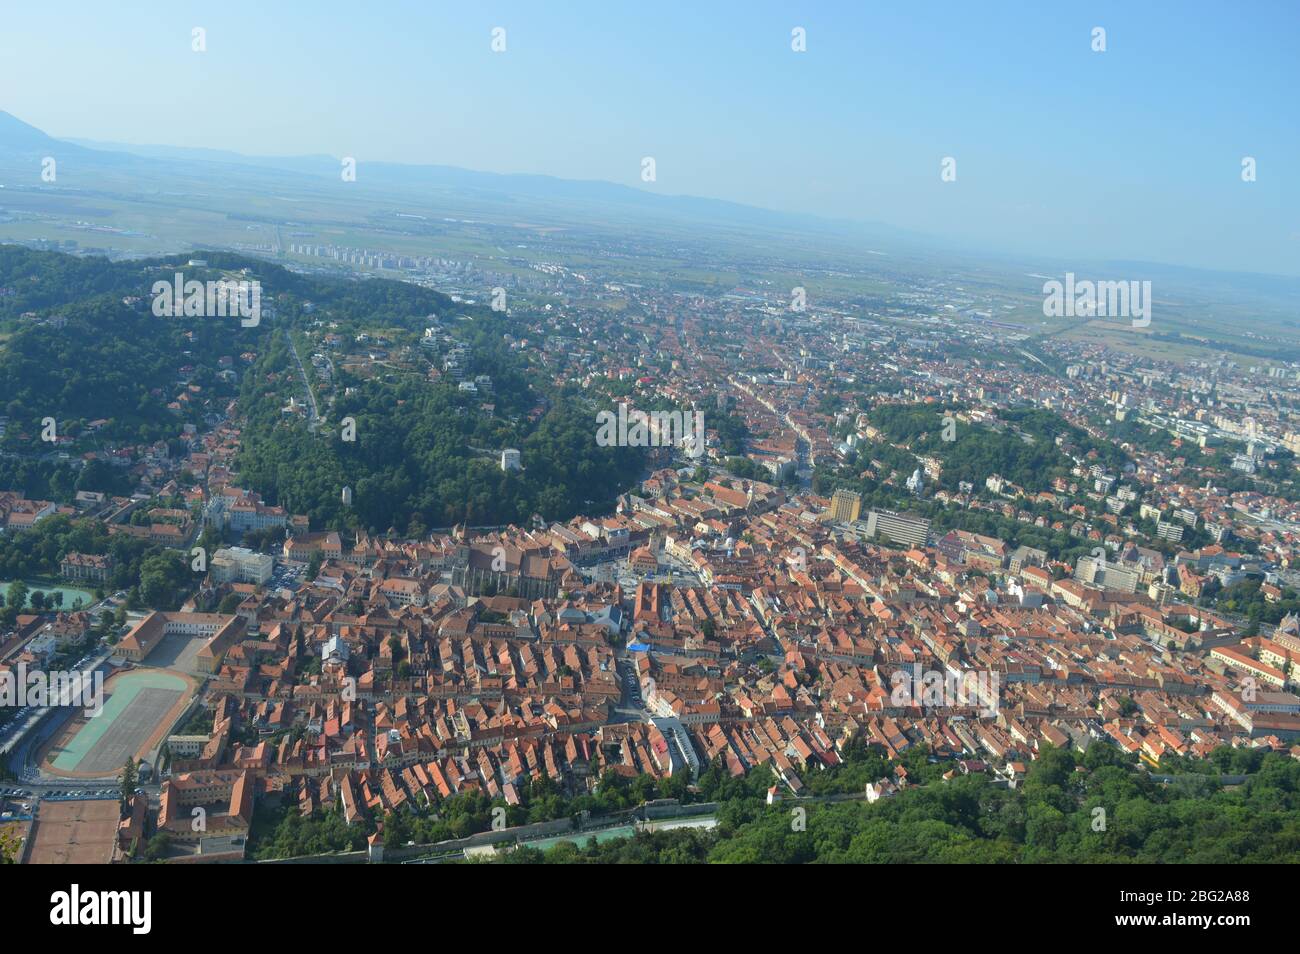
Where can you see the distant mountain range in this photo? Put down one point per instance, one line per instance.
(20, 142)
(177, 172)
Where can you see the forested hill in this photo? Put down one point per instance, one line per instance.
(1021, 445)
(425, 453)
(79, 342)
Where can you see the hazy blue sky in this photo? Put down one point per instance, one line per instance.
(1133, 153)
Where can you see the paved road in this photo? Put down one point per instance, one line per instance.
(630, 707)
(314, 420)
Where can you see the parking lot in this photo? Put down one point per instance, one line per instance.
(58, 793)
(21, 717)
(286, 576)
(75, 794)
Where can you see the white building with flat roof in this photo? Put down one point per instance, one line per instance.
(242, 565)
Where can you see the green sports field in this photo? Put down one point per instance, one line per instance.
(137, 703)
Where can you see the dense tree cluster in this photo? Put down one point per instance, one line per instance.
(733, 433)
(1058, 544)
(1070, 807)
(427, 455)
(281, 833)
(152, 575)
(1022, 448)
(84, 345)
(1246, 598)
(1109, 812)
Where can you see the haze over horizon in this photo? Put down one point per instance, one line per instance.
(854, 128)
